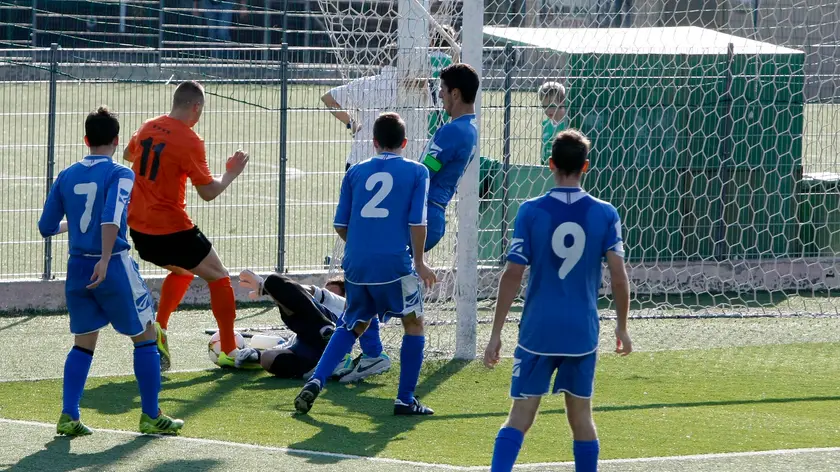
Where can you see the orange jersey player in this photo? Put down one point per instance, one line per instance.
(164, 152)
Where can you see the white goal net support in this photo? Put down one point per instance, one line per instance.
(713, 132)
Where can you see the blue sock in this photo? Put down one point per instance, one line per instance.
(508, 443)
(76, 369)
(411, 359)
(340, 344)
(586, 455)
(369, 341)
(147, 371)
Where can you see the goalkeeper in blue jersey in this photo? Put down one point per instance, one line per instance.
(453, 146)
(564, 236)
(381, 214)
(103, 282)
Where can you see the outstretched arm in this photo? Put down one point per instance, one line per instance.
(338, 112)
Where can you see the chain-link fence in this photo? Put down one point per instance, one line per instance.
(714, 129)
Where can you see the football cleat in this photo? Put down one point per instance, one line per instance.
(163, 348)
(342, 368)
(229, 360)
(306, 397)
(67, 427)
(415, 408)
(364, 367)
(160, 425)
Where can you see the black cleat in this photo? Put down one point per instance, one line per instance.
(414, 408)
(307, 396)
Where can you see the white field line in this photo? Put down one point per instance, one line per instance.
(285, 450)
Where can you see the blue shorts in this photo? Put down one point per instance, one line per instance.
(532, 374)
(122, 299)
(398, 298)
(435, 225)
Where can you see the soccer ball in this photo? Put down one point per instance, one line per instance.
(214, 347)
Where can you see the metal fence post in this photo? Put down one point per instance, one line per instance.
(34, 31)
(725, 150)
(281, 189)
(160, 33)
(285, 21)
(51, 150)
(510, 60)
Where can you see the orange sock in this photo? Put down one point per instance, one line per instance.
(223, 304)
(171, 293)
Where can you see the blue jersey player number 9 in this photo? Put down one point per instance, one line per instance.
(570, 254)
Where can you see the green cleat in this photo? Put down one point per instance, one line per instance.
(163, 348)
(160, 425)
(67, 427)
(229, 360)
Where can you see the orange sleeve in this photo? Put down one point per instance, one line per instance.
(196, 167)
(133, 147)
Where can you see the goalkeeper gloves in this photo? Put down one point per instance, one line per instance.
(252, 282)
(247, 355)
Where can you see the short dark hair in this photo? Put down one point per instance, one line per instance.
(338, 281)
(187, 94)
(101, 127)
(570, 151)
(389, 131)
(462, 77)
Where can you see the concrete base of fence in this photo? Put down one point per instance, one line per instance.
(694, 277)
(48, 295)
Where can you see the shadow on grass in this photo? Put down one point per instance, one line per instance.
(57, 457)
(386, 429)
(118, 397)
(18, 322)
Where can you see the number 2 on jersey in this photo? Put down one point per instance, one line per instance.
(570, 254)
(89, 191)
(144, 158)
(371, 210)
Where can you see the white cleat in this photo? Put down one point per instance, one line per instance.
(366, 366)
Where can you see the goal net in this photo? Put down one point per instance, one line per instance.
(415, 37)
(708, 136)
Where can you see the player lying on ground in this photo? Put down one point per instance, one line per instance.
(103, 283)
(381, 213)
(165, 151)
(311, 313)
(564, 236)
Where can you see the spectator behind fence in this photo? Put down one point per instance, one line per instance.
(219, 14)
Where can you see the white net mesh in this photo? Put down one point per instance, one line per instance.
(712, 132)
(709, 138)
(368, 36)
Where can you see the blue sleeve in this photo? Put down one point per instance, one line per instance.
(117, 196)
(442, 149)
(520, 245)
(419, 197)
(345, 202)
(612, 240)
(53, 211)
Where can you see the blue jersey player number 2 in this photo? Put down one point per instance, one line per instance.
(564, 236)
(381, 216)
